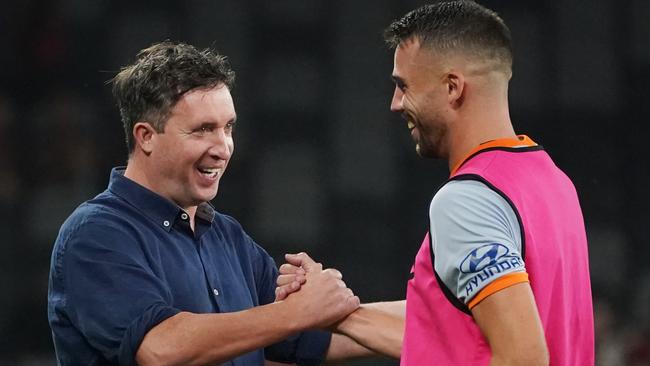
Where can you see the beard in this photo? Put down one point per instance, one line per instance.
(430, 143)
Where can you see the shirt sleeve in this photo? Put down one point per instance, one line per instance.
(111, 295)
(305, 349)
(476, 241)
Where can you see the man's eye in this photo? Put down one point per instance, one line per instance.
(230, 125)
(203, 130)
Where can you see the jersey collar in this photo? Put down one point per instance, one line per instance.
(520, 141)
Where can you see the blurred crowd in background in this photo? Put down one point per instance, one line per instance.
(320, 164)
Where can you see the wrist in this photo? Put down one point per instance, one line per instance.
(347, 324)
(292, 312)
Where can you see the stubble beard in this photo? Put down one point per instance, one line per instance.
(431, 142)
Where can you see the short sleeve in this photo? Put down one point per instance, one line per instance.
(305, 349)
(111, 295)
(476, 240)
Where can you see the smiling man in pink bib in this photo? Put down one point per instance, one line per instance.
(502, 276)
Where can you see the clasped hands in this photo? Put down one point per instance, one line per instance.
(320, 293)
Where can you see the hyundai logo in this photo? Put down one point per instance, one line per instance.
(483, 256)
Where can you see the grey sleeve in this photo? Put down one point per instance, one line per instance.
(475, 235)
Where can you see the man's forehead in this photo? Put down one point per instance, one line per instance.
(407, 54)
(206, 102)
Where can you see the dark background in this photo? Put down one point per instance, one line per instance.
(320, 164)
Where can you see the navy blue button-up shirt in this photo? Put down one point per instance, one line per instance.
(127, 260)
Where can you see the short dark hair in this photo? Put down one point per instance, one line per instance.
(149, 88)
(455, 26)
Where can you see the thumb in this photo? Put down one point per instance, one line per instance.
(302, 260)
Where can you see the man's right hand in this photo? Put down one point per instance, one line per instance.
(320, 295)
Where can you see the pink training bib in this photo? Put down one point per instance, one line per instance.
(439, 332)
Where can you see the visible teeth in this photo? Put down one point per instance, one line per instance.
(209, 171)
(411, 125)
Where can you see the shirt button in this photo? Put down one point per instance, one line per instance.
(184, 216)
(166, 223)
(215, 292)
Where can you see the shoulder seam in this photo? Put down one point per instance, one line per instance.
(479, 178)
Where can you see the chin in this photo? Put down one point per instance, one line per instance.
(209, 197)
(203, 196)
(427, 153)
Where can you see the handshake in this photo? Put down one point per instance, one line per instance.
(319, 295)
(318, 298)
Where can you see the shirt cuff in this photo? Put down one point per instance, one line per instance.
(498, 285)
(134, 335)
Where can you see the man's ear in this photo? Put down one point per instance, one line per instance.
(143, 134)
(455, 88)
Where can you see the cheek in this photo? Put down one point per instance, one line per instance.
(409, 104)
(230, 145)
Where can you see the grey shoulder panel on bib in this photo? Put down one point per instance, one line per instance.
(475, 236)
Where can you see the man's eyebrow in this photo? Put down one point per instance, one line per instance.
(397, 80)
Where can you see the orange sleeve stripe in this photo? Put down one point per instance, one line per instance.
(498, 285)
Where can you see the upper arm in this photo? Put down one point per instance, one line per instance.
(111, 296)
(476, 240)
(478, 255)
(510, 322)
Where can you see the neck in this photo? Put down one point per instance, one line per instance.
(479, 122)
(137, 172)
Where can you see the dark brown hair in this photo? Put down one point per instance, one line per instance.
(456, 26)
(148, 89)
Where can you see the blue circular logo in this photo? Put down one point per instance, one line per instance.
(483, 256)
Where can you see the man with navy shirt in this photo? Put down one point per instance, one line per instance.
(149, 273)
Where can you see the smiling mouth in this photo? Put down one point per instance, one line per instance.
(210, 172)
(410, 125)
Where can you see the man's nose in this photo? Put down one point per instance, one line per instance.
(396, 103)
(222, 145)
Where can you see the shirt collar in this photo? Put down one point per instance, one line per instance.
(157, 208)
(520, 141)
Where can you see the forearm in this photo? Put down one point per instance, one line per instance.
(343, 347)
(395, 308)
(510, 322)
(377, 326)
(199, 339)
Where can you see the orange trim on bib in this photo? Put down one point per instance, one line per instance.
(520, 141)
(498, 285)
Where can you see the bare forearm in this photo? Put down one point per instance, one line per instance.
(510, 322)
(395, 308)
(199, 339)
(378, 327)
(343, 347)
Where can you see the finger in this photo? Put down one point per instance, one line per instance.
(334, 272)
(280, 294)
(288, 268)
(354, 302)
(303, 260)
(287, 279)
